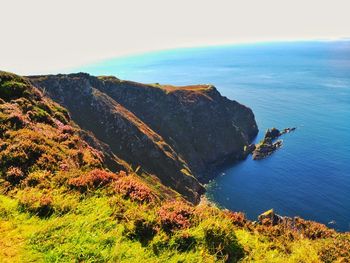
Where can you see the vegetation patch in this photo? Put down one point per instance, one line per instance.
(175, 215)
(132, 188)
(92, 180)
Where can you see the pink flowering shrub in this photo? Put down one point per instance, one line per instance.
(92, 180)
(175, 215)
(131, 188)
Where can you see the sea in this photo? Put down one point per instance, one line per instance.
(303, 84)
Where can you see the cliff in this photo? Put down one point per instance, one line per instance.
(194, 128)
(204, 127)
(180, 134)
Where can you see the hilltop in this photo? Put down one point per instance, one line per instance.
(96, 169)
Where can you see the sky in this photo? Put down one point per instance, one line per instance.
(49, 36)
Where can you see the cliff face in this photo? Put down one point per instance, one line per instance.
(203, 127)
(177, 133)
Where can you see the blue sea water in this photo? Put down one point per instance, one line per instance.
(301, 84)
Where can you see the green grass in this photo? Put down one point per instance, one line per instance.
(101, 228)
(90, 233)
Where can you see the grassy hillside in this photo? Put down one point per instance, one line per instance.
(60, 203)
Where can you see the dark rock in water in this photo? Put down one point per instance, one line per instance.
(272, 133)
(265, 149)
(287, 130)
(267, 146)
(249, 149)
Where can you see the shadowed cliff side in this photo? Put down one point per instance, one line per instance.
(128, 137)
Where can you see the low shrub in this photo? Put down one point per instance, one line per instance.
(25, 148)
(38, 178)
(132, 188)
(160, 243)
(11, 117)
(35, 202)
(237, 218)
(12, 89)
(293, 228)
(67, 129)
(336, 250)
(175, 215)
(17, 121)
(14, 175)
(142, 230)
(92, 180)
(87, 156)
(312, 230)
(60, 116)
(40, 115)
(183, 241)
(221, 240)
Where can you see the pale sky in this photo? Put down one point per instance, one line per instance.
(49, 36)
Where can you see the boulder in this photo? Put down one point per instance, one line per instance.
(270, 218)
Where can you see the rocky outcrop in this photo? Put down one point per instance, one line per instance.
(177, 133)
(293, 226)
(268, 145)
(272, 134)
(270, 217)
(265, 148)
(249, 149)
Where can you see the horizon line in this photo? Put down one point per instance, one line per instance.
(218, 44)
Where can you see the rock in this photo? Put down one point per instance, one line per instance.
(265, 149)
(332, 222)
(287, 130)
(267, 146)
(249, 149)
(270, 218)
(295, 226)
(272, 134)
